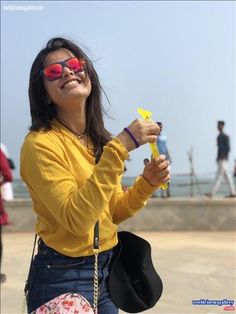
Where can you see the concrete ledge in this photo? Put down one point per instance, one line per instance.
(182, 214)
(172, 214)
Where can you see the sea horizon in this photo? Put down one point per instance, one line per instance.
(180, 186)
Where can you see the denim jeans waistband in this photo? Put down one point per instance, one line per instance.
(43, 249)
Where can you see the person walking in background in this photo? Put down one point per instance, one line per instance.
(145, 161)
(223, 144)
(163, 150)
(7, 188)
(6, 176)
(73, 168)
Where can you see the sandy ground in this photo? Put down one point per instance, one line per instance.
(192, 265)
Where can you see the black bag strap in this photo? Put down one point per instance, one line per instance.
(96, 236)
(26, 289)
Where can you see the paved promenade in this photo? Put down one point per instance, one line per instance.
(193, 265)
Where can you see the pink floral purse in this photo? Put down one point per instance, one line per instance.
(67, 303)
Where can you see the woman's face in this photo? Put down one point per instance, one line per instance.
(72, 88)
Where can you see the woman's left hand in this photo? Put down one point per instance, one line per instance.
(157, 171)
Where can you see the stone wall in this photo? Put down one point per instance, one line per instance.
(174, 214)
(185, 214)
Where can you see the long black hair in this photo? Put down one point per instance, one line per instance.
(43, 112)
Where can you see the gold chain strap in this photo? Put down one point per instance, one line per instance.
(95, 282)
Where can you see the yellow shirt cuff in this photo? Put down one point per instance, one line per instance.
(119, 147)
(145, 186)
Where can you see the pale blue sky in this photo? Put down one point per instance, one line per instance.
(176, 59)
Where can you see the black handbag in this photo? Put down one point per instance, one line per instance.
(134, 283)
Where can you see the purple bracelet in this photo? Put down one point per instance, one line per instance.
(132, 136)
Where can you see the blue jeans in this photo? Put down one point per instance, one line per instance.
(53, 274)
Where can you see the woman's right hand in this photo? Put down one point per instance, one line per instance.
(144, 131)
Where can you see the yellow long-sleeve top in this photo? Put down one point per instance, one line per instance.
(70, 193)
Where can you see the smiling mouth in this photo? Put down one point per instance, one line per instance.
(71, 83)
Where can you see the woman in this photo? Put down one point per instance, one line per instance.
(6, 176)
(7, 188)
(73, 168)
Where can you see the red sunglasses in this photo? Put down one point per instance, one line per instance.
(54, 71)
